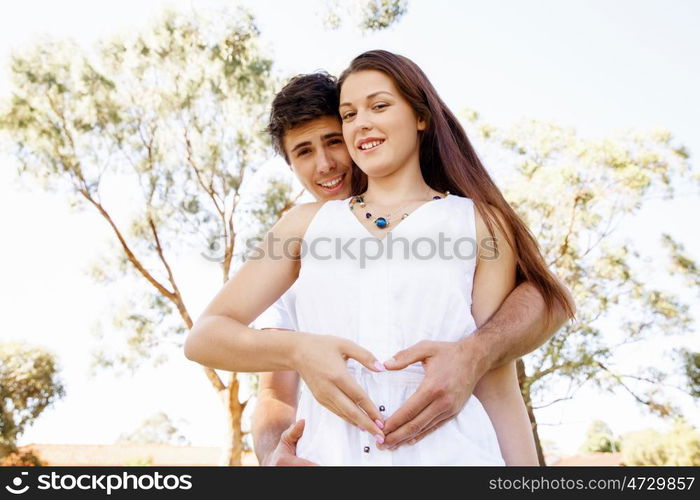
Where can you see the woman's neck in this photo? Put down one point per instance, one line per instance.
(404, 185)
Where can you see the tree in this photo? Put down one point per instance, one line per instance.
(156, 429)
(29, 383)
(599, 438)
(679, 446)
(21, 458)
(171, 118)
(574, 193)
(366, 15)
(691, 368)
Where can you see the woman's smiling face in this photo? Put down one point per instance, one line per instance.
(379, 125)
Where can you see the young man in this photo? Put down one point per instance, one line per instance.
(306, 130)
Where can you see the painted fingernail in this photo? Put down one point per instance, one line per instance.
(380, 439)
(379, 424)
(412, 441)
(390, 360)
(379, 366)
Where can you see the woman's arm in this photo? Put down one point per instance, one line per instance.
(498, 389)
(222, 339)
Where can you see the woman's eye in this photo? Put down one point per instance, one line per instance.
(347, 115)
(379, 106)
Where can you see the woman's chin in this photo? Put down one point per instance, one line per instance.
(376, 171)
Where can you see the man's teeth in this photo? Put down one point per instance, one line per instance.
(370, 145)
(332, 184)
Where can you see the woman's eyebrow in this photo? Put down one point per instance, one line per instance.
(370, 96)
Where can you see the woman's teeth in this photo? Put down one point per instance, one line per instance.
(370, 145)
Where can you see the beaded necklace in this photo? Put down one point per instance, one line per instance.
(383, 222)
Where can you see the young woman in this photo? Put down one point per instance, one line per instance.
(400, 262)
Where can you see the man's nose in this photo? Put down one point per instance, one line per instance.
(324, 161)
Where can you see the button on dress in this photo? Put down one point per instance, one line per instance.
(387, 295)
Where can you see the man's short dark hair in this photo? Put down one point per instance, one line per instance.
(303, 99)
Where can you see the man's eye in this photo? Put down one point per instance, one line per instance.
(303, 152)
(333, 142)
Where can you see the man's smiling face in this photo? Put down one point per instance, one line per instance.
(319, 158)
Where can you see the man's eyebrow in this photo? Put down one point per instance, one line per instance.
(301, 145)
(332, 135)
(374, 94)
(325, 137)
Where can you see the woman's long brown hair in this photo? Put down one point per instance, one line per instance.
(449, 162)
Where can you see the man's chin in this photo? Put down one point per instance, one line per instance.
(341, 195)
(341, 192)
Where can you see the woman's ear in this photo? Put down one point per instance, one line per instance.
(422, 124)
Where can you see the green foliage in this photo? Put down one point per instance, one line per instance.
(367, 15)
(574, 193)
(21, 458)
(140, 462)
(276, 200)
(380, 14)
(681, 262)
(150, 328)
(156, 429)
(599, 438)
(691, 369)
(29, 383)
(679, 446)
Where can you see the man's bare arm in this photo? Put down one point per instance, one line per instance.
(517, 328)
(274, 412)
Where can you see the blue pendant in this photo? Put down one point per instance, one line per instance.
(381, 222)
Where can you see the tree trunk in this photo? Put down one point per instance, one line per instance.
(525, 390)
(234, 411)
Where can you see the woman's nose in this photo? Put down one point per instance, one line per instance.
(362, 121)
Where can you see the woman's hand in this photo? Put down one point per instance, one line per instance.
(320, 360)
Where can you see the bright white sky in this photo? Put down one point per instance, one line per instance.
(592, 65)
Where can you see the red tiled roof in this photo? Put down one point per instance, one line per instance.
(600, 459)
(169, 455)
(130, 454)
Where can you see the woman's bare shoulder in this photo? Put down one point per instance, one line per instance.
(296, 220)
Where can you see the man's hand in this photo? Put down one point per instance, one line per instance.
(286, 451)
(320, 362)
(450, 376)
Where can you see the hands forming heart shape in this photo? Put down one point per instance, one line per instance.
(450, 377)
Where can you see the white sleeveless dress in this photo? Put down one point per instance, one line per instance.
(386, 302)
